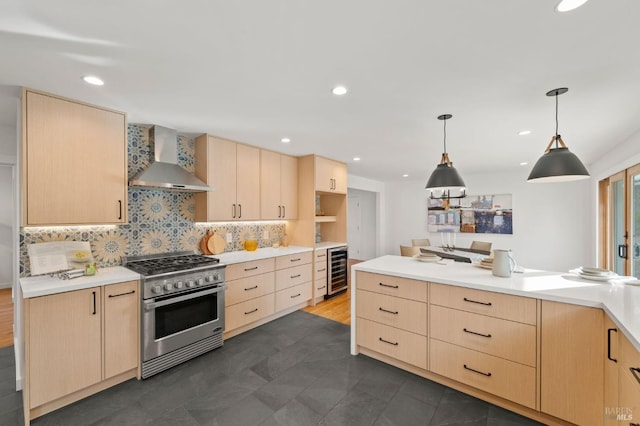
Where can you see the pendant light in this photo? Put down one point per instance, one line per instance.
(445, 178)
(557, 164)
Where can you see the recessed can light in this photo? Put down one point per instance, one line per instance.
(524, 163)
(569, 5)
(405, 175)
(524, 132)
(92, 79)
(356, 158)
(285, 140)
(339, 90)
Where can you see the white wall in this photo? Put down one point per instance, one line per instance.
(550, 221)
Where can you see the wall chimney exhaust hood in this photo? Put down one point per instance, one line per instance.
(164, 172)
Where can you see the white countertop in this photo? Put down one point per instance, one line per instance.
(43, 285)
(328, 245)
(621, 302)
(261, 253)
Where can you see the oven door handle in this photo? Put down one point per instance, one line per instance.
(148, 306)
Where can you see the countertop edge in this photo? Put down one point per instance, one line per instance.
(241, 256)
(44, 285)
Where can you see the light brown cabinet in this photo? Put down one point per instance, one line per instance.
(278, 186)
(233, 170)
(330, 175)
(319, 274)
(628, 383)
(572, 360)
(611, 371)
(74, 167)
(78, 343)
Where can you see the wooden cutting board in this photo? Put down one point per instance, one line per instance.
(216, 243)
(204, 243)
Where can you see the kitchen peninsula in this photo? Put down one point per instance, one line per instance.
(535, 343)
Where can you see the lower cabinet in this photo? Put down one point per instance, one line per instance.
(262, 290)
(628, 384)
(572, 363)
(77, 343)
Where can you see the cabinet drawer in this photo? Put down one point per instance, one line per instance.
(505, 339)
(293, 296)
(293, 260)
(629, 395)
(394, 311)
(394, 286)
(507, 379)
(236, 271)
(320, 287)
(249, 311)
(249, 288)
(515, 308)
(320, 268)
(320, 256)
(399, 344)
(289, 277)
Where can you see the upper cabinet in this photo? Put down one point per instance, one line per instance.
(331, 175)
(74, 162)
(233, 170)
(278, 186)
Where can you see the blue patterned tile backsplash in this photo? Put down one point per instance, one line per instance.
(160, 221)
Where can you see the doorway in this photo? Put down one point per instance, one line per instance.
(361, 224)
(619, 205)
(7, 227)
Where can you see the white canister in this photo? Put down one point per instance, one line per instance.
(503, 263)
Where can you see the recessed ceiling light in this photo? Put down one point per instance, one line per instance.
(356, 158)
(524, 132)
(339, 90)
(524, 163)
(92, 79)
(405, 175)
(285, 140)
(569, 5)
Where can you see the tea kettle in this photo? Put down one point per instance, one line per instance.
(503, 263)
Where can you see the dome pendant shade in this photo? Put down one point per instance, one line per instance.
(558, 165)
(445, 177)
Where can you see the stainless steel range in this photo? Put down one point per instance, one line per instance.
(182, 307)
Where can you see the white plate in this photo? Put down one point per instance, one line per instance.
(483, 266)
(427, 259)
(595, 271)
(594, 277)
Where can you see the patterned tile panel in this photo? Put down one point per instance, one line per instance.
(159, 220)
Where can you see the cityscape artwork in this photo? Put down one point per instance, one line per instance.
(474, 214)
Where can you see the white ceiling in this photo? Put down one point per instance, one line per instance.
(256, 71)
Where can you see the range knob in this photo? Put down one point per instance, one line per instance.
(178, 285)
(190, 283)
(209, 278)
(156, 289)
(168, 286)
(200, 281)
(216, 277)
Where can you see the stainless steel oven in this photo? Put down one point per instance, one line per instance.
(182, 309)
(338, 270)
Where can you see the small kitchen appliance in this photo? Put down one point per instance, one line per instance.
(182, 307)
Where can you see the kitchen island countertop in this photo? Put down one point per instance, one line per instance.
(620, 301)
(43, 285)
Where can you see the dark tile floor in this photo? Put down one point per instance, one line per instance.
(296, 371)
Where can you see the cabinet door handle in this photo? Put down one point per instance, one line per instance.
(94, 303)
(284, 212)
(635, 372)
(297, 259)
(233, 211)
(250, 269)
(476, 333)
(251, 288)
(475, 301)
(119, 209)
(387, 285)
(295, 276)
(386, 341)
(320, 288)
(476, 371)
(388, 311)
(279, 211)
(609, 343)
(322, 255)
(122, 294)
(240, 211)
(321, 270)
(293, 297)
(252, 311)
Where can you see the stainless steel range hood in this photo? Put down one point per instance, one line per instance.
(165, 172)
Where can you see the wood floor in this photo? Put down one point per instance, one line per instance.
(6, 318)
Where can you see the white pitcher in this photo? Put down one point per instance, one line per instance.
(503, 263)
